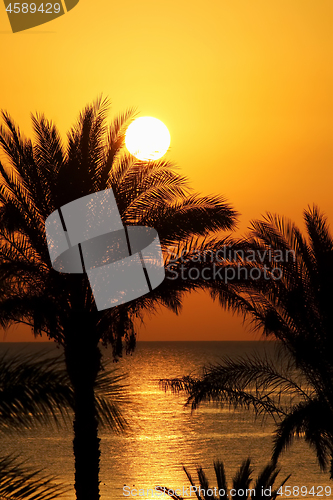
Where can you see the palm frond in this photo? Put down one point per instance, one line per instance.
(246, 383)
(220, 476)
(111, 397)
(20, 482)
(241, 483)
(34, 390)
(266, 479)
(243, 478)
(115, 143)
(309, 419)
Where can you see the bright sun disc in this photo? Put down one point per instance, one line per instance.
(147, 138)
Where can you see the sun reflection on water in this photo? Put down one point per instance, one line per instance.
(164, 435)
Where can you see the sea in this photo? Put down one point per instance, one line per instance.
(164, 434)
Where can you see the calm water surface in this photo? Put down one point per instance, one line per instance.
(165, 435)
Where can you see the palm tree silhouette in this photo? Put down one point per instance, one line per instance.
(241, 483)
(297, 388)
(35, 391)
(37, 179)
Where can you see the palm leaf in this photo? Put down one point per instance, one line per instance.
(241, 483)
(34, 390)
(20, 482)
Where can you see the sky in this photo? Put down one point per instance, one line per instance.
(244, 87)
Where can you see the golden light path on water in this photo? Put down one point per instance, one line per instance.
(164, 435)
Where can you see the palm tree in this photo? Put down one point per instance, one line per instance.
(42, 176)
(35, 391)
(241, 483)
(296, 311)
(32, 392)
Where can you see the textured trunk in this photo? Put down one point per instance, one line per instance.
(83, 363)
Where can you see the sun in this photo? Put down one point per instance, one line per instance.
(147, 138)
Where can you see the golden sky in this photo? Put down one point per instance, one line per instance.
(244, 86)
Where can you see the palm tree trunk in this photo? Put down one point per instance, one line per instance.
(83, 359)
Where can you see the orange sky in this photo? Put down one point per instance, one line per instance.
(244, 86)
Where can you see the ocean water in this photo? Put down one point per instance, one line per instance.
(164, 435)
